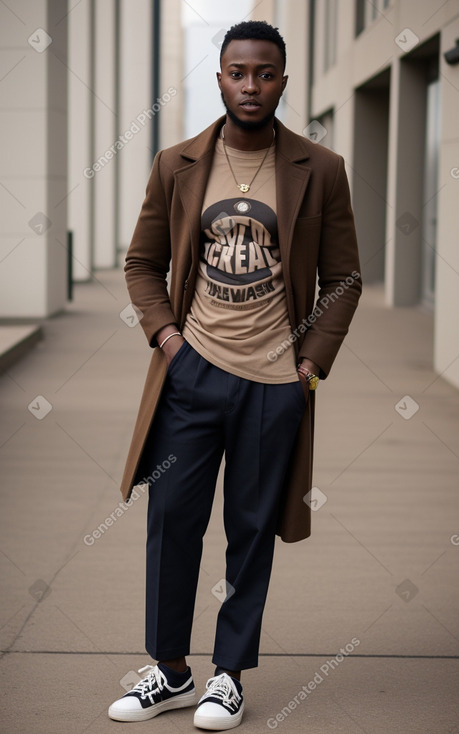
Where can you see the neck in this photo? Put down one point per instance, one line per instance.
(240, 139)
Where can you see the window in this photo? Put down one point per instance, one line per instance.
(359, 17)
(367, 11)
(330, 28)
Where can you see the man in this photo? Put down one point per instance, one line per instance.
(247, 213)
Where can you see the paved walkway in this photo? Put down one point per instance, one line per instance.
(378, 578)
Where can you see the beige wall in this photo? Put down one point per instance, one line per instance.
(384, 45)
(292, 20)
(80, 139)
(446, 335)
(62, 107)
(135, 96)
(33, 162)
(172, 72)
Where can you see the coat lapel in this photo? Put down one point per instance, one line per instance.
(292, 178)
(191, 180)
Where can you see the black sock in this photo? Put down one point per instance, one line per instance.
(174, 677)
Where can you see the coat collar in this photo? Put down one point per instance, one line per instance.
(288, 145)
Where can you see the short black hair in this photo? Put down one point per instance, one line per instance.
(258, 30)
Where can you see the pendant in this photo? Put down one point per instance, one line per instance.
(242, 206)
(244, 188)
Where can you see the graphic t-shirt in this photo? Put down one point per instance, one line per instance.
(239, 313)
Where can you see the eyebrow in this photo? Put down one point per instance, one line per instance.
(241, 65)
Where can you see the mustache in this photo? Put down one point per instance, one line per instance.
(247, 124)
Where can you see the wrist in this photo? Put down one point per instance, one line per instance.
(169, 338)
(165, 332)
(171, 346)
(309, 371)
(309, 365)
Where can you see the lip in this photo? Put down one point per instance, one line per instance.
(250, 104)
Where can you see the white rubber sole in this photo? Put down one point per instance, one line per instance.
(176, 702)
(218, 723)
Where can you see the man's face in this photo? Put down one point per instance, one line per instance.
(251, 82)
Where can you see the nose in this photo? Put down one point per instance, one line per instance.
(251, 84)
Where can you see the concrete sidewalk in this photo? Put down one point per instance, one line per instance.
(378, 578)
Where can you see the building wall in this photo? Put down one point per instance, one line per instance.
(135, 104)
(33, 162)
(113, 113)
(292, 19)
(172, 123)
(77, 110)
(371, 93)
(446, 334)
(80, 138)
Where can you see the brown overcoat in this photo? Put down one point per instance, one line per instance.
(316, 239)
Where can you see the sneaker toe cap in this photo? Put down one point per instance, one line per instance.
(125, 705)
(211, 710)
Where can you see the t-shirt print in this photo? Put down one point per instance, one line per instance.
(240, 257)
(238, 313)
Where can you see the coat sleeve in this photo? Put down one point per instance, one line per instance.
(339, 277)
(148, 259)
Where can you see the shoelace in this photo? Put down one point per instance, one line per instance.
(152, 683)
(223, 687)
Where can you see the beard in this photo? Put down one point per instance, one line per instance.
(247, 124)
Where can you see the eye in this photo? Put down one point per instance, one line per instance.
(235, 74)
(266, 75)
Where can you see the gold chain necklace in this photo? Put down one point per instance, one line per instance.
(244, 188)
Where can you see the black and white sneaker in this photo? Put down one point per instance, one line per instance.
(222, 706)
(161, 689)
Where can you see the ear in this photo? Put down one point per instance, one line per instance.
(219, 79)
(284, 83)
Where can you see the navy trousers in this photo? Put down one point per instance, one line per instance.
(203, 413)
